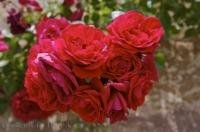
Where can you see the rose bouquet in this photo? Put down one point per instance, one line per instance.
(80, 68)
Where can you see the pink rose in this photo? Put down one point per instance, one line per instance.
(3, 46)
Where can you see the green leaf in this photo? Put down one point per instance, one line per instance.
(3, 105)
(160, 59)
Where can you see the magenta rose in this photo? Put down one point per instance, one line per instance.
(3, 45)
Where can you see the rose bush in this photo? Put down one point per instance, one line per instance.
(96, 75)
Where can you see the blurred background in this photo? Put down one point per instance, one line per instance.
(173, 105)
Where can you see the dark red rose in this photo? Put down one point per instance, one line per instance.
(136, 32)
(120, 64)
(32, 4)
(84, 49)
(89, 102)
(49, 81)
(25, 109)
(69, 2)
(141, 83)
(50, 28)
(17, 23)
(76, 15)
(117, 108)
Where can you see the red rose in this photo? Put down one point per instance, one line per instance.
(117, 108)
(50, 28)
(141, 83)
(33, 4)
(84, 49)
(49, 81)
(44, 46)
(89, 102)
(25, 109)
(120, 64)
(148, 65)
(136, 32)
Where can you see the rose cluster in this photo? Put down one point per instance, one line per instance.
(78, 67)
